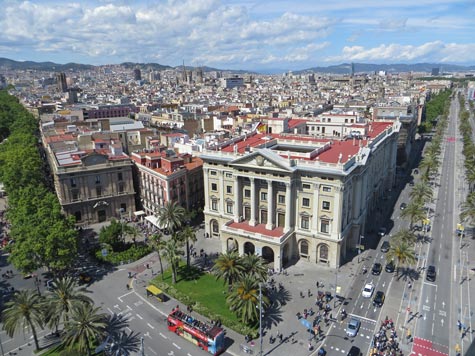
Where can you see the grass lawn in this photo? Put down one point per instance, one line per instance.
(200, 287)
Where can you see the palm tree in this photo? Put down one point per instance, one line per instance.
(171, 216)
(421, 192)
(402, 253)
(414, 211)
(468, 209)
(172, 253)
(406, 236)
(119, 342)
(429, 164)
(244, 299)
(64, 295)
(229, 267)
(157, 243)
(24, 311)
(255, 266)
(85, 325)
(187, 235)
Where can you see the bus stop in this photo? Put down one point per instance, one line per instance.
(153, 291)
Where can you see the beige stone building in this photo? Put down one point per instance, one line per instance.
(287, 196)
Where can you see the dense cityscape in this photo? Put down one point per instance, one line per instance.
(325, 188)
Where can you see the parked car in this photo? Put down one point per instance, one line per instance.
(385, 246)
(403, 206)
(353, 327)
(377, 268)
(368, 290)
(431, 273)
(390, 267)
(378, 299)
(382, 231)
(85, 277)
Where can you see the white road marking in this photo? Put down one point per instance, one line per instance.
(128, 329)
(164, 336)
(124, 295)
(138, 316)
(151, 350)
(129, 307)
(178, 347)
(110, 311)
(150, 326)
(117, 306)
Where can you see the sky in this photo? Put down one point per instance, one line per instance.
(232, 34)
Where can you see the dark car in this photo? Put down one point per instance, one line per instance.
(377, 268)
(382, 231)
(385, 246)
(431, 273)
(390, 267)
(85, 277)
(378, 299)
(354, 351)
(403, 206)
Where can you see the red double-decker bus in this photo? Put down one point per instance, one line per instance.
(208, 337)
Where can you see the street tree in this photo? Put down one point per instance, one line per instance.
(24, 311)
(254, 266)
(171, 216)
(406, 236)
(467, 213)
(172, 252)
(414, 211)
(157, 243)
(421, 192)
(402, 253)
(85, 326)
(187, 235)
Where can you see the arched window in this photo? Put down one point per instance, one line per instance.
(323, 254)
(304, 248)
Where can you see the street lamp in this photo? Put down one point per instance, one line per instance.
(359, 247)
(37, 284)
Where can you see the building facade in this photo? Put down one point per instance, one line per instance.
(286, 197)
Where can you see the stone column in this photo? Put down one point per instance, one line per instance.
(221, 193)
(270, 206)
(316, 206)
(288, 206)
(237, 199)
(252, 220)
(206, 190)
(335, 230)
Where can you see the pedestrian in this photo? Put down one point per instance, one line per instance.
(309, 293)
(318, 284)
(280, 337)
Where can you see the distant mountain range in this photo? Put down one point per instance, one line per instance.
(344, 68)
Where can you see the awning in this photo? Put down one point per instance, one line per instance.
(154, 220)
(139, 213)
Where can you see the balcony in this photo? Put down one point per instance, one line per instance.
(258, 232)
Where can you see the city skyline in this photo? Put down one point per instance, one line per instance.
(248, 35)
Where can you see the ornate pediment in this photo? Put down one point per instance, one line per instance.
(262, 159)
(93, 159)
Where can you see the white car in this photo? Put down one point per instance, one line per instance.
(368, 290)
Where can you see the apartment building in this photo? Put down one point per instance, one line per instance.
(92, 175)
(287, 196)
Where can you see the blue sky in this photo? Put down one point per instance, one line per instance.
(232, 34)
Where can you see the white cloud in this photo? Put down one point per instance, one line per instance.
(431, 51)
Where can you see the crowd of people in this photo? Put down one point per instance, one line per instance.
(386, 342)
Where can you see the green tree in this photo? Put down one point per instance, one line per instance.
(59, 302)
(24, 311)
(85, 326)
(421, 192)
(187, 235)
(171, 216)
(157, 243)
(172, 253)
(414, 211)
(467, 213)
(406, 236)
(402, 253)
(254, 266)
(244, 300)
(228, 266)
(118, 341)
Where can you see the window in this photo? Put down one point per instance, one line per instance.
(214, 205)
(120, 176)
(247, 193)
(306, 202)
(229, 208)
(213, 173)
(99, 191)
(263, 217)
(214, 187)
(281, 198)
(229, 189)
(326, 205)
(73, 182)
(304, 248)
(263, 196)
(306, 186)
(327, 189)
(123, 208)
(98, 179)
(228, 175)
(121, 187)
(304, 222)
(325, 226)
(75, 194)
